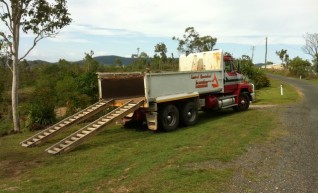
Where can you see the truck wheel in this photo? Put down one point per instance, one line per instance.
(188, 114)
(168, 118)
(243, 103)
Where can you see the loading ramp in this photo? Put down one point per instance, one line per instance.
(94, 128)
(65, 123)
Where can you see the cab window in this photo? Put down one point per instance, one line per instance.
(228, 66)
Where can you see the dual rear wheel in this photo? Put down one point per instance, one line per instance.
(170, 117)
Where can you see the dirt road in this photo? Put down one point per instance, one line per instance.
(288, 163)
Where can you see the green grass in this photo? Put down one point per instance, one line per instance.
(191, 159)
(315, 81)
(272, 94)
(120, 160)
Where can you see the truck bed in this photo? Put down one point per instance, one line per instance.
(159, 87)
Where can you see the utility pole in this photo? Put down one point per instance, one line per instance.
(253, 48)
(265, 52)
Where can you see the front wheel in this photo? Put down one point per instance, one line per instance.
(188, 114)
(243, 103)
(168, 117)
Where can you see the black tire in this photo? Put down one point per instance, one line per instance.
(168, 117)
(243, 103)
(188, 114)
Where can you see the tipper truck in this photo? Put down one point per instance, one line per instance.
(205, 81)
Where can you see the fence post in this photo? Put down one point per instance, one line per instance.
(281, 89)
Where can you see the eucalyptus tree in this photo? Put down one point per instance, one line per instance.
(192, 42)
(42, 18)
(281, 54)
(311, 47)
(161, 49)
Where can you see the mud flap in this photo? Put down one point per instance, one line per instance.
(152, 120)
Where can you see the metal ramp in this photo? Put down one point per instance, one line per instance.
(95, 127)
(65, 123)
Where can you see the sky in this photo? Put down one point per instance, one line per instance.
(119, 27)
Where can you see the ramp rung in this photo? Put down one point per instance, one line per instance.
(51, 152)
(68, 141)
(96, 125)
(80, 135)
(41, 136)
(63, 145)
(54, 129)
(91, 128)
(74, 138)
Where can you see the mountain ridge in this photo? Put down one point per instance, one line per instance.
(102, 60)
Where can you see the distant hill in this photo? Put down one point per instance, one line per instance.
(38, 62)
(110, 60)
(259, 64)
(103, 60)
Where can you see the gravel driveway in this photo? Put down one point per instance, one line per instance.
(287, 163)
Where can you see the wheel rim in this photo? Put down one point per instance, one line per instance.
(170, 119)
(243, 102)
(191, 115)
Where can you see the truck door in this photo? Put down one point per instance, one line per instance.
(231, 79)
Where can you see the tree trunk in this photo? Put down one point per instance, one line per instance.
(15, 98)
(15, 78)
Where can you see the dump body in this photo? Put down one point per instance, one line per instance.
(160, 87)
(198, 74)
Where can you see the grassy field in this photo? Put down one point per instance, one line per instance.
(272, 94)
(192, 159)
(315, 81)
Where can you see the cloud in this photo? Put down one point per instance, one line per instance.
(227, 20)
(119, 27)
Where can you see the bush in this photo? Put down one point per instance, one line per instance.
(5, 126)
(40, 115)
(299, 67)
(260, 80)
(254, 74)
(40, 110)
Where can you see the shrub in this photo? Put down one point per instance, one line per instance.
(254, 74)
(40, 110)
(299, 67)
(40, 115)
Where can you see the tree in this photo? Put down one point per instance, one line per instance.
(282, 54)
(90, 64)
(40, 17)
(142, 59)
(299, 67)
(161, 49)
(192, 42)
(286, 60)
(118, 63)
(311, 47)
